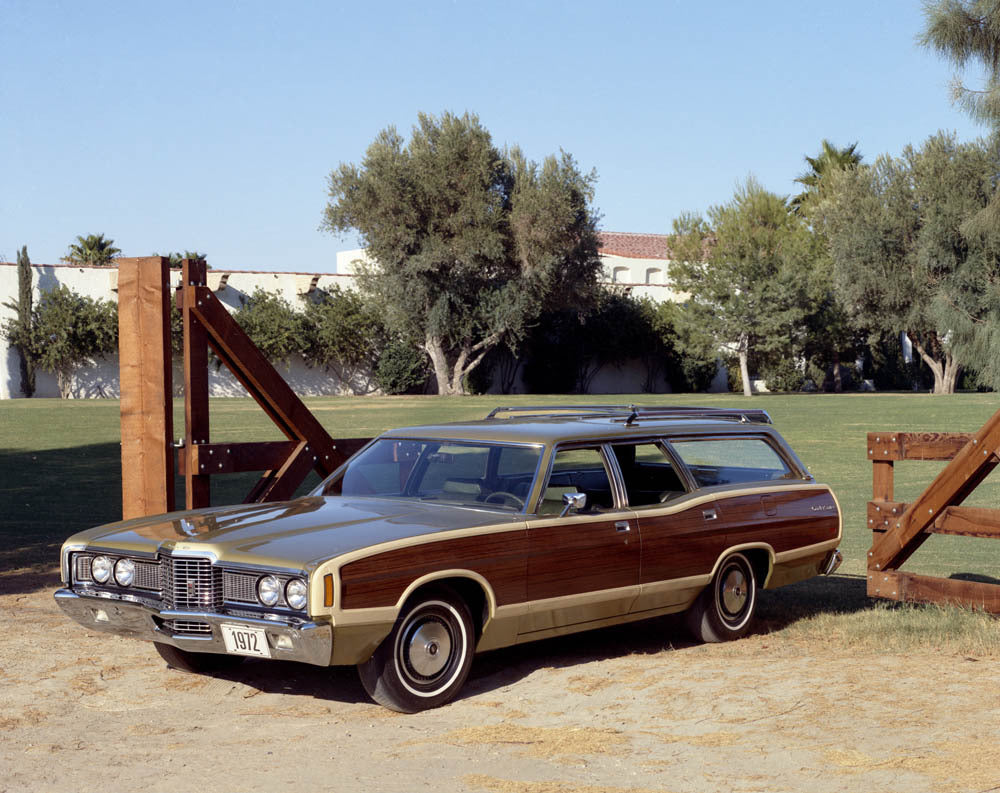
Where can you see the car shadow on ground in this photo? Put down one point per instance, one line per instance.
(499, 669)
(333, 683)
(776, 610)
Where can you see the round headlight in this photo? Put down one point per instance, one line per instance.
(296, 593)
(124, 572)
(100, 569)
(268, 590)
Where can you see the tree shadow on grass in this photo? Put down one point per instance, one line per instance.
(48, 495)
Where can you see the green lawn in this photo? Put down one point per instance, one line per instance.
(60, 469)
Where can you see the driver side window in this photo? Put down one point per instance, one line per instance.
(577, 471)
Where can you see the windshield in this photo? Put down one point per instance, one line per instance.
(455, 472)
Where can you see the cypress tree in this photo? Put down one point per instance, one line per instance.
(24, 276)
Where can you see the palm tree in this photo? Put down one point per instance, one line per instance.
(829, 159)
(94, 249)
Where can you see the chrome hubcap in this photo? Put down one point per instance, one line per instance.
(734, 591)
(428, 649)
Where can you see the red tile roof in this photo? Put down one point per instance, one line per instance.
(634, 246)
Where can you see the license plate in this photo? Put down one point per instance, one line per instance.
(241, 640)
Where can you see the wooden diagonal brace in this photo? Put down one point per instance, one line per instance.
(955, 482)
(231, 344)
(280, 484)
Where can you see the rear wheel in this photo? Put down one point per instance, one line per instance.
(426, 658)
(723, 611)
(187, 661)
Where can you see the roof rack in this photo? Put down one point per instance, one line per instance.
(630, 413)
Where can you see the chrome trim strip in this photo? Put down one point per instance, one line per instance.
(246, 567)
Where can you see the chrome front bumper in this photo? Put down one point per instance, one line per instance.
(308, 642)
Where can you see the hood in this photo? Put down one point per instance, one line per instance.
(295, 534)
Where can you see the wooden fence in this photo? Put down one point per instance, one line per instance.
(147, 398)
(899, 529)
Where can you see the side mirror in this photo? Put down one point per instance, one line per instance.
(574, 501)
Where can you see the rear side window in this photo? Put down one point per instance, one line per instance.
(727, 461)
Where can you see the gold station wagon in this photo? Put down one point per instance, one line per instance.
(435, 542)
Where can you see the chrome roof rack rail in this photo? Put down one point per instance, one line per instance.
(632, 413)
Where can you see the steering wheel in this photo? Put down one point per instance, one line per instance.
(505, 498)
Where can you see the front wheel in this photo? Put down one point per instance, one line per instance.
(723, 611)
(426, 658)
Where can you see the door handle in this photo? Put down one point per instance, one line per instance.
(709, 514)
(622, 525)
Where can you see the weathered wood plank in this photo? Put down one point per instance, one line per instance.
(145, 378)
(897, 585)
(231, 458)
(882, 480)
(968, 522)
(890, 446)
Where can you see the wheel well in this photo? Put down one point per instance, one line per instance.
(761, 562)
(470, 591)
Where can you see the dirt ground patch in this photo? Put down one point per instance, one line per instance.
(627, 710)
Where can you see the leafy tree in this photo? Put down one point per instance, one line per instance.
(470, 244)
(967, 32)
(71, 330)
(693, 360)
(272, 324)
(20, 330)
(746, 271)
(343, 333)
(94, 249)
(567, 349)
(905, 259)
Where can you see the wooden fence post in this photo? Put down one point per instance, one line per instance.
(146, 386)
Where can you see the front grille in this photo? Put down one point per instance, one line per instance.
(147, 576)
(239, 587)
(83, 564)
(188, 627)
(191, 584)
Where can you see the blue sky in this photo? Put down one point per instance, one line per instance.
(213, 125)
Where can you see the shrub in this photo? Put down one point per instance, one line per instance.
(272, 324)
(70, 330)
(401, 369)
(783, 375)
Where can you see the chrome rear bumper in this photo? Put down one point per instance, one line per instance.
(832, 562)
(288, 640)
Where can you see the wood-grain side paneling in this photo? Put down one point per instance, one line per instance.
(578, 557)
(680, 544)
(687, 543)
(380, 580)
(801, 518)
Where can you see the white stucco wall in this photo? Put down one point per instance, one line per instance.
(101, 378)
